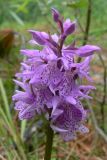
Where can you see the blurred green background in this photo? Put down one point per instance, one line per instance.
(25, 140)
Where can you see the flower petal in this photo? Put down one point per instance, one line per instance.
(87, 50)
(39, 37)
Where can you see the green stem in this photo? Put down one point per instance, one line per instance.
(49, 142)
(88, 22)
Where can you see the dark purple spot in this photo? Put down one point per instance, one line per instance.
(63, 70)
(57, 92)
(81, 90)
(45, 61)
(59, 63)
(75, 76)
(73, 69)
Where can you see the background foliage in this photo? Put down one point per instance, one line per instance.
(26, 139)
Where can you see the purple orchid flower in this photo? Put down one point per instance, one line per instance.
(50, 80)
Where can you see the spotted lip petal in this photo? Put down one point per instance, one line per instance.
(69, 121)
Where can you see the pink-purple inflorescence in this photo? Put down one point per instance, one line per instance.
(51, 80)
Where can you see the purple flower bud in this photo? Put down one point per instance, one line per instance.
(69, 27)
(55, 15)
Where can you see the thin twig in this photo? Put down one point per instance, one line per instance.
(97, 128)
(87, 27)
(88, 22)
(76, 143)
(104, 89)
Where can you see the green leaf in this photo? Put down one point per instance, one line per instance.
(23, 7)
(78, 4)
(5, 100)
(23, 127)
(16, 17)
